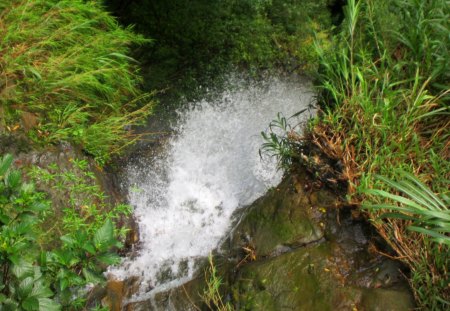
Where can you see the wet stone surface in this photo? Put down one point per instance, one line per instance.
(297, 248)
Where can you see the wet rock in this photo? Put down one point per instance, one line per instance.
(114, 295)
(294, 250)
(187, 297)
(278, 221)
(300, 280)
(332, 271)
(310, 279)
(387, 299)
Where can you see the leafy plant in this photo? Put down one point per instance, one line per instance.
(384, 92)
(80, 261)
(47, 264)
(22, 285)
(428, 213)
(85, 231)
(279, 140)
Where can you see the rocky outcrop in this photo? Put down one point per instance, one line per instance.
(297, 248)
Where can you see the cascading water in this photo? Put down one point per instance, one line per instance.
(185, 197)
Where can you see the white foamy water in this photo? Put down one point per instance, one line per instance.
(185, 197)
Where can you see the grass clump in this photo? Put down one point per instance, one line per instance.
(212, 296)
(384, 93)
(65, 75)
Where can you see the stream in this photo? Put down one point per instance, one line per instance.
(186, 196)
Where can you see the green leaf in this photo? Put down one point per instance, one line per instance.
(25, 287)
(89, 248)
(440, 238)
(63, 284)
(109, 258)
(41, 291)
(92, 277)
(5, 164)
(22, 269)
(105, 235)
(4, 219)
(13, 179)
(30, 304)
(46, 304)
(68, 240)
(10, 304)
(35, 73)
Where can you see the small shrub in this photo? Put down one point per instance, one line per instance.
(47, 262)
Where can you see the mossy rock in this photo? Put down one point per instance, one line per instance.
(299, 280)
(280, 218)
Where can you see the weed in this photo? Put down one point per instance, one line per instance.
(212, 296)
(383, 111)
(47, 264)
(65, 75)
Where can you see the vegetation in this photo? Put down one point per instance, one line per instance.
(196, 42)
(212, 295)
(65, 75)
(38, 272)
(384, 95)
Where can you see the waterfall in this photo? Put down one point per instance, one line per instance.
(184, 197)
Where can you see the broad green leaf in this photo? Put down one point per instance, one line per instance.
(89, 248)
(68, 240)
(5, 164)
(104, 235)
(30, 304)
(22, 269)
(4, 218)
(46, 304)
(92, 277)
(10, 305)
(41, 291)
(109, 258)
(25, 287)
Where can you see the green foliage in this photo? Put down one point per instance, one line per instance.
(279, 141)
(86, 208)
(212, 296)
(197, 41)
(386, 110)
(66, 73)
(47, 262)
(22, 285)
(85, 229)
(428, 213)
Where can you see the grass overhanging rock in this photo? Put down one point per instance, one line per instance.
(66, 75)
(384, 89)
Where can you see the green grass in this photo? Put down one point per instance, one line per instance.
(65, 75)
(212, 296)
(384, 93)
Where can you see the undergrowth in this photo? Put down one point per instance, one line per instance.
(385, 98)
(383, 92)
(65, 75)
(49, 263)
